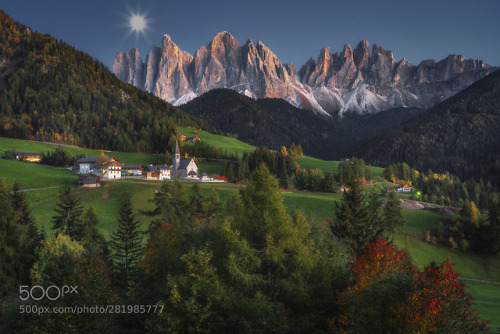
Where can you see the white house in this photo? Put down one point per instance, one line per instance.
(112, 170)
(164, 172)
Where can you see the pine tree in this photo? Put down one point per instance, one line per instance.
(197, 201)
(91, 239)
(67, 220)
(392, 213)
(126, 244)
(356, 221)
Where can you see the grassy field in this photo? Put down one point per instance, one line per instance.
(487, 298)
(35, 176)
(225, 144)
(421, 220)
(38, 147)
(215, 167)
(331, 166)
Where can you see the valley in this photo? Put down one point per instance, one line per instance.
(317, 207)
(358, 193)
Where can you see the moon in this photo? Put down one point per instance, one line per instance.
(138, 23)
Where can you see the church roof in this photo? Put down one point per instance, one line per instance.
(184, 163)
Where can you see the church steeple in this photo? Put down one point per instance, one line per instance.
(177, 157)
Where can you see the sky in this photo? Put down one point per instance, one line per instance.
(294, 30)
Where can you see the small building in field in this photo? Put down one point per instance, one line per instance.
(132, 170)
(165, 172)
(112, 170)
(400, 188)
(151, 172)
(28, 156)
(86, 165)
(89, 180)
(192, 139)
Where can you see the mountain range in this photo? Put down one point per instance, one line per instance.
(354, 80)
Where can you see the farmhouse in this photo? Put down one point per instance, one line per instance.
(89, 180)
(151, 172)
(132, 170)
(400, 188)
(192, 139)
(28, 156)
(110, 169)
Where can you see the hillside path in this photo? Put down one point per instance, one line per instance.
(33, 189)
(478, 280)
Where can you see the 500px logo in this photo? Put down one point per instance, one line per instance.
(52, 292)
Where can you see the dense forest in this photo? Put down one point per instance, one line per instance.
(245, 266)
(51, 92)
(275, 123)
(460, 135)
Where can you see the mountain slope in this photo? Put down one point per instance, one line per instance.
(51, 92)
(353, 81)
(460, 135)
(274, 123)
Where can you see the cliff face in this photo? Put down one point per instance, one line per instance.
(352, 81)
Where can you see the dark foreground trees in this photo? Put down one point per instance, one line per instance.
(244, 266)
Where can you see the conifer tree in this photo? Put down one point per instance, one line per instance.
(356, 220)
(91, 239)
(197, 201)
(392, 212)
(67, 220)
(126, 244)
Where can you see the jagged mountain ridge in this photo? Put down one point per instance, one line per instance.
(352, 81)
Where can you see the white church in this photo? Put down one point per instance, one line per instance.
(183, 168)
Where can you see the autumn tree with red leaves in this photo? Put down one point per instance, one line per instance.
(388, 295)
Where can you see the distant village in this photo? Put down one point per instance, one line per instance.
(93, 169)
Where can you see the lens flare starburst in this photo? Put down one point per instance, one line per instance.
(138, 23)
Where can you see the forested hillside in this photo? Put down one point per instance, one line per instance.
(460, 135)
(275, 123)
(51, 92)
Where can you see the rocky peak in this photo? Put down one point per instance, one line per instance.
(346, 53)
(222, 44)
(128, 67)
(362, 54)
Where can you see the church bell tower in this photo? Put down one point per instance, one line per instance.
(177, 158)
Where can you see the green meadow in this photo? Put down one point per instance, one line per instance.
(38, 147)
(30, 175)
(225, 144)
